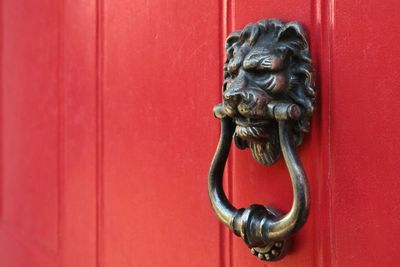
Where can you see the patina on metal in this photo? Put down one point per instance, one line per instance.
(268, 99)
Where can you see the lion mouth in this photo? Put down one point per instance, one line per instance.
(252, 130)
(247, 122)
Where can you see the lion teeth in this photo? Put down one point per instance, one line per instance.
(271, 83)
(251, 132)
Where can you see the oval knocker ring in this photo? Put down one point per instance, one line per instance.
(268, 99)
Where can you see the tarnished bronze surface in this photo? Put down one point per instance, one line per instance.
(268, 100)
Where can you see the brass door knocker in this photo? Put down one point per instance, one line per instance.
(268, 99)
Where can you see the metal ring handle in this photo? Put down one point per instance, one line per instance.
(268, 100)
(259, 226)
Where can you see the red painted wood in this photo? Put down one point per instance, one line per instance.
(30, 144)
(365, 134)
(48, 145)
(161, 79)
(78, 76)
(107, 134)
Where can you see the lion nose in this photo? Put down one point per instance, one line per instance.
(234, 100)
(234, 96)
(236, 92)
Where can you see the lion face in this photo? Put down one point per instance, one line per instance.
(267, 63)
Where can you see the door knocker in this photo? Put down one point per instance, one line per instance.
(268, 99)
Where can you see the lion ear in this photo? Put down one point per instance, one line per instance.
(232, 39)
(293, 33)
(231, 44)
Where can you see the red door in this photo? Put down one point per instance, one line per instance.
(107, 134)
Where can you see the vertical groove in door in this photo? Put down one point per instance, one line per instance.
(329, 32)
(229, 27)
(60, 126)
(99, 131)
(226, 21)
(225, 235)
(322, 29)
(1, 112)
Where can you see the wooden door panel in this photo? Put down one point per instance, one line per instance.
(48, 122)
(365, 134)
(30, 174)
(161, 78)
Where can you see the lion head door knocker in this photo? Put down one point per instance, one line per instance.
(268, 99)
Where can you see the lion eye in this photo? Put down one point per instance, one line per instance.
(273, 63)
(266, 62)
